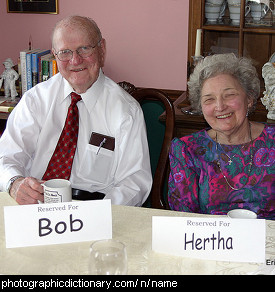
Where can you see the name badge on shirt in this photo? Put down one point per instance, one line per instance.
(102, 141)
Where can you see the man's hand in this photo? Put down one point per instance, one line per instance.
(27, 190)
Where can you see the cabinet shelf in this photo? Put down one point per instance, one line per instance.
(252, 40)
(261, 30)
(220, 28)
(270, 30)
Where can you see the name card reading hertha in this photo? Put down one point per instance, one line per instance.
(221, 238)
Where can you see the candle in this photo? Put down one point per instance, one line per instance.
(198, 43)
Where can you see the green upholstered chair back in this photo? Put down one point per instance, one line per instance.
(154, 102)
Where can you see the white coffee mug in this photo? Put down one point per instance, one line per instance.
(57, 191)
(258, 10)
(214, 11)
(235, 11)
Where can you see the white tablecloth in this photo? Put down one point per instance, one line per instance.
(132, 226)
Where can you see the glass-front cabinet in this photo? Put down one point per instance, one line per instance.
(244, 27)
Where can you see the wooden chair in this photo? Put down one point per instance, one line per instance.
(159, 100)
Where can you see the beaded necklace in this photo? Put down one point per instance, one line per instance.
(230, 160)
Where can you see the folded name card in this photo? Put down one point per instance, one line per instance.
(220, 239)
(44, 224)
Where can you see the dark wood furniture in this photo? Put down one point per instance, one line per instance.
(3, 120)
(4, 116)
(248, 39)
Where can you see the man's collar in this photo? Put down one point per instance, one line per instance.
(91, 95)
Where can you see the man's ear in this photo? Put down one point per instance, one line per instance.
(102, 52)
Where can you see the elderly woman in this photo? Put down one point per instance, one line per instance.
(231, 164)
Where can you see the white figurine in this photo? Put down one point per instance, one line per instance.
(268, 73)
(9, 76)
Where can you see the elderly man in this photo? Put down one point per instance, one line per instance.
(107, 153)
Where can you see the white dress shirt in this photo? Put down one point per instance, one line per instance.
(34, 127)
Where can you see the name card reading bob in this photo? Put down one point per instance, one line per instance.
(44, 224)
(221, 239)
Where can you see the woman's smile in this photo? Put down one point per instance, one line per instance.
(225, 116)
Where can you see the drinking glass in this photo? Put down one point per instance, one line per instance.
(108, 257)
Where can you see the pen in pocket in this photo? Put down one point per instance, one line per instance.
(100, 145)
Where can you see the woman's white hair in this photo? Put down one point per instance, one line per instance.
(240, 68)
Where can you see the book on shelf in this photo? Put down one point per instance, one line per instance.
(49, 67)
(23, 65)
(19, 80)
(36, 58)
(31, 67)
(7, 105)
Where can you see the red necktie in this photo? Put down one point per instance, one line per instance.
(60, 165)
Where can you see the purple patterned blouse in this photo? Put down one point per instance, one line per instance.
(196, 183)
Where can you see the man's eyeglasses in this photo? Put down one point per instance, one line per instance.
(83, 52)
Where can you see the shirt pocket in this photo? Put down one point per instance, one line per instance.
(96, 165)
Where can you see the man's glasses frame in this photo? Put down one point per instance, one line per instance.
(83, 52)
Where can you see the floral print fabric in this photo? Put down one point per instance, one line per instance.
(196, 183)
